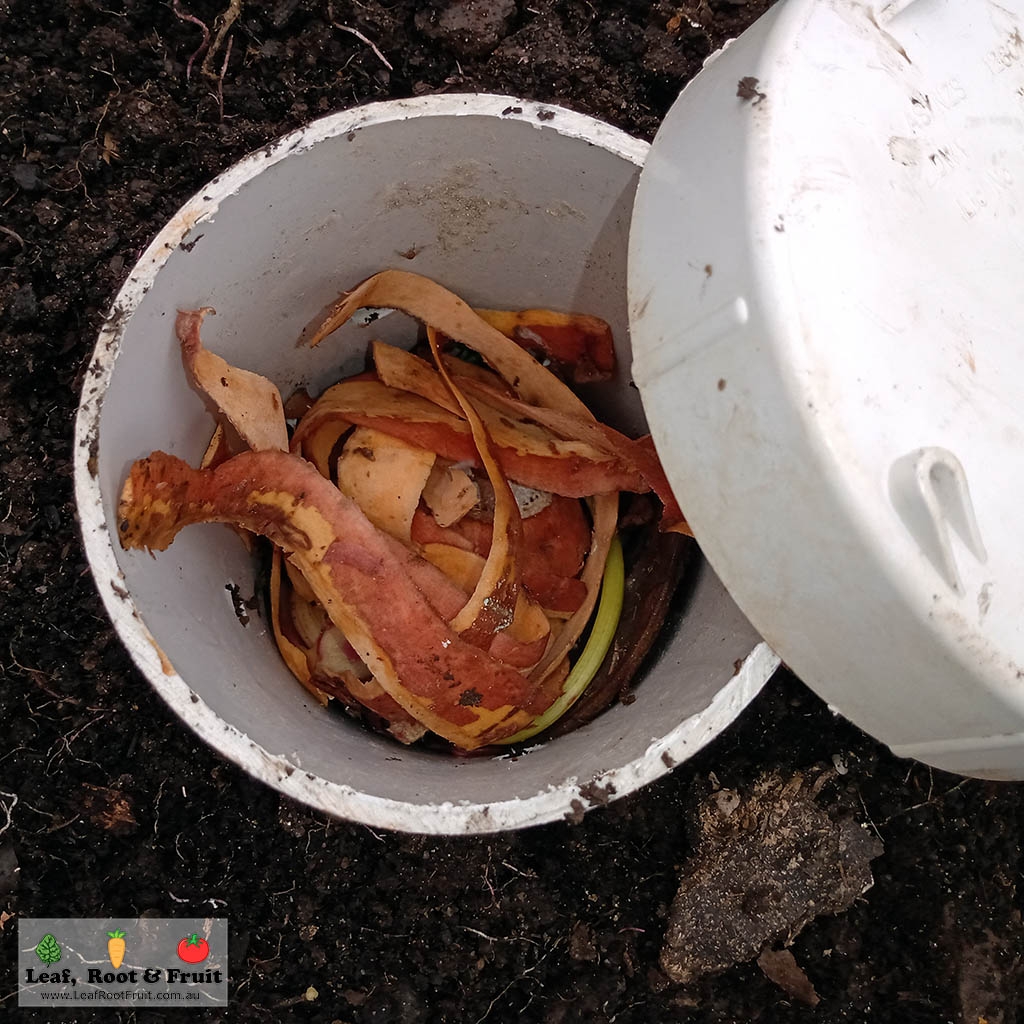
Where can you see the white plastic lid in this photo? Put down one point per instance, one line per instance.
(827, 316)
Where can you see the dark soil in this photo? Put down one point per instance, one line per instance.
(120, 810)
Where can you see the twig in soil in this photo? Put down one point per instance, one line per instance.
(487, 880)
(185, 16)
(113, 96)
(36, 810)
(224, 22)
(156, 805)
(522, 874)
(927, 802)
(21, 242)
(220, 79)
(372, 45)
(254, 964)
(487, 1012)
(619, 1013)
(359, 35)
(491, 938)
(50, 829)
(309, 835)
(868, 816)
(69, 738)
(8, 809)
(528, 971)
(38, 676)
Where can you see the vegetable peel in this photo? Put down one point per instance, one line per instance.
(526, 453)
(602, 634)
(247, 400)
(492, 605)
(433, 562)
(574, 345)
(411, 651)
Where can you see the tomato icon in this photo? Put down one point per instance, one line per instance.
(193, 950)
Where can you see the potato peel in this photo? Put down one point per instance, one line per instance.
(577, 345)
(248, 401)
(467, 641)
(407, 372)
(526, 453)
(293, 655)
(449, 493)
(639, 455)
(606, 516)
(443, 310)
(453, 688)
(492, 605)
(385, 478)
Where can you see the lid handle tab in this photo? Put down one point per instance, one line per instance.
(928, 489)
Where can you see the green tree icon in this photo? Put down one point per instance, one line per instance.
(48, 951)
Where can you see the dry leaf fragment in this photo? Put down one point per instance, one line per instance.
(108, 808)
(109, 151)
(780, 967)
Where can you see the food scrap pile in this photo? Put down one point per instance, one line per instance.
(443, 526)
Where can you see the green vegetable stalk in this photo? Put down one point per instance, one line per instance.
(606, 621)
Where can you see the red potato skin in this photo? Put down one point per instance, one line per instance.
(491, 607)
(584, 357)
(555, 543)
(447, 599)
(541, 461)
(453, 688)
(250, 402)
(578, 348)
(445, 313)
(556, 593)
(407, 372)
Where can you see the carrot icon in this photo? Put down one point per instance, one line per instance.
(115, 948)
